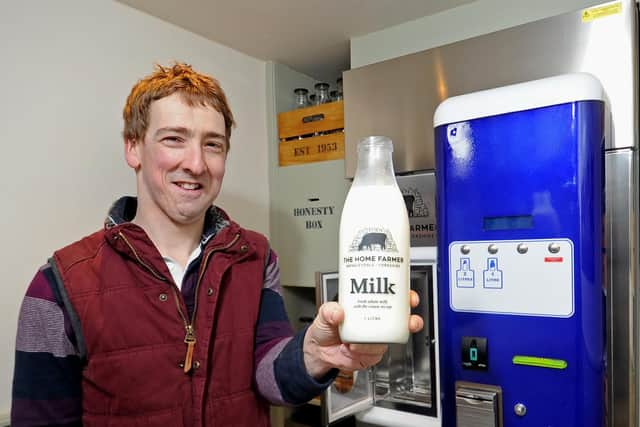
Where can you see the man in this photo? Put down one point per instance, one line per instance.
(171, 315)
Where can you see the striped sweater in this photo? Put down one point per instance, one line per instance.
(48, 368)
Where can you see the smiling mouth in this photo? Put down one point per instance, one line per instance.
(188, 185)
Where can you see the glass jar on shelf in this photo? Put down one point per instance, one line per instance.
(301, 100)
(322, 93)
(340, 96)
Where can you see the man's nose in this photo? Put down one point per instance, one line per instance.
(194, 160)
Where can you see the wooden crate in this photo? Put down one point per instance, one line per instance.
(312, 134)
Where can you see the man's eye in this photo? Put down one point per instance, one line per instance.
(172, 139)
(215, 145)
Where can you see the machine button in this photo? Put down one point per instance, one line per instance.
(465, 249)
(520, 409)
(522, 248)
(554, 248)
(474, 353)
(493, 248)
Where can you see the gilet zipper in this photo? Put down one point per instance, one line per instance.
(190, 335)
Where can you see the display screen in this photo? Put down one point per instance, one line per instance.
(516, 222)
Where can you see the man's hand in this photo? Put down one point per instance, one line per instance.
(323, 349)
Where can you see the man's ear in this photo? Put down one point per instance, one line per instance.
(131, 153)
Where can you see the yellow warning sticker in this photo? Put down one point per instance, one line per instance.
(601, 11)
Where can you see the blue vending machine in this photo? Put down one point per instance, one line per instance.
(519, 173)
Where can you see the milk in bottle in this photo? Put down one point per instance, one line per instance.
(374, 251)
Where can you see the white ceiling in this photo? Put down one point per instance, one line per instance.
(309, 36)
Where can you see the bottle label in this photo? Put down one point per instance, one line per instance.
(374, 263)
(372, 268)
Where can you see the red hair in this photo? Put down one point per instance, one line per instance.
(195, 88)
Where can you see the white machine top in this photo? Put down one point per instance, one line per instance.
(519, 97)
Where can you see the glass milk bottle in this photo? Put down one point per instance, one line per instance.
(374, 251)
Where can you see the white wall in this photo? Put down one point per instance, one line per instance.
(66, 69)
(463, 22)
(281, 81)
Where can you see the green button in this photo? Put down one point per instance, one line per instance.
(473, 354)
(541, 362)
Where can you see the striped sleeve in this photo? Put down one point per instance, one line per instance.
(281, 376)
(47, 373)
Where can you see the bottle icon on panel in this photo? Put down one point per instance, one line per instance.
(492, 276)
(465, 276)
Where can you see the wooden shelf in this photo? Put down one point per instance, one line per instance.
(309, 150)
(307, 121)
(312, 134)
(315, 401)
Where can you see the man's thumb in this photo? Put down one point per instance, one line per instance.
(331, 314)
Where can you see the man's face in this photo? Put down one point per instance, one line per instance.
(181, 162)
